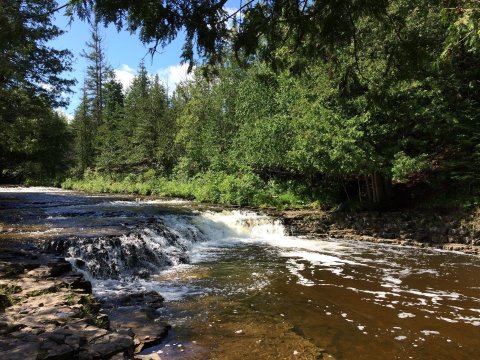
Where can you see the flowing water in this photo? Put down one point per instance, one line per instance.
(238, 287)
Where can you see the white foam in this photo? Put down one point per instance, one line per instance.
(171, 291)
(430, 332)
(404, 315)
(295, 267)
(32, 189)
(392, 280)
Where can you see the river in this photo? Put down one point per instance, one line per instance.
(238, 287)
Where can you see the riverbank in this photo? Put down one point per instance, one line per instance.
(459, 231)
(47, 311)
(452, 230)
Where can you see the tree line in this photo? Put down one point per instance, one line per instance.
(362, 103)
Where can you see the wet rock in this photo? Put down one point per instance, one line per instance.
(144, 322)
(153, 299)
(407, 227)
(59, 268)
(79, 282)
(143, 274)
(53, 316)
(150, 298)
(80, 263)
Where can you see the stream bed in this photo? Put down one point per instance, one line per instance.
(236, 286)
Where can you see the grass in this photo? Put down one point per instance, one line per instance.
(210, 187)
(91, 310)
(6, 295)
(45, 291)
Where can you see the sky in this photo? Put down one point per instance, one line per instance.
(124, 52)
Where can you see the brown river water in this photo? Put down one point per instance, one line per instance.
(237, 287)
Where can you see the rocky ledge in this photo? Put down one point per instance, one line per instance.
(47, 311)
(457, 232)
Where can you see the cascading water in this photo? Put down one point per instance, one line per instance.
(163, 241)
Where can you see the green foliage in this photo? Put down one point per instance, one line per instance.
(6, 295)
(405, 166)
(36, 149)
(313, 26)
(209, 187)
(33, 138)
(27, 63)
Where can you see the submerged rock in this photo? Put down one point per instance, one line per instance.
(147, 326)
(136, 313)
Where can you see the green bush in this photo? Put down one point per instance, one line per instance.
(244, 188)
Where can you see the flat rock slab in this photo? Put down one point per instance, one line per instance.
(49, 314)
(144, 322)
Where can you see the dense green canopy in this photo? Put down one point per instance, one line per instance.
(295, 102)
(31, 84)
(343, 100)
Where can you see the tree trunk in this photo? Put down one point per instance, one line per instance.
(382, 187)
(367, 184)
(359, 189)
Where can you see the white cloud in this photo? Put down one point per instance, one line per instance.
(125, 75)
(171, 76)
(175, 74)
(62, 112)
(230, 11)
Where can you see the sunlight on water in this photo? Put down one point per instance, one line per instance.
(234, 280)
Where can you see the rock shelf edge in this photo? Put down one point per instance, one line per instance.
(47, 312)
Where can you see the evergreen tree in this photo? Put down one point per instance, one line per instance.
(140, 129)
(163, 125)
(83, 128)
(31, 83)
(98, 72)
(27, 63)
(110, 153)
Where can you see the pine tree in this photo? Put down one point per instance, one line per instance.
(84, 134)
(27, 64)
(162, 119)
(141, 131)
(98, 72)
(110, 155)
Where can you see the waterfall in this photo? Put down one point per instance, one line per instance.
(162, 241)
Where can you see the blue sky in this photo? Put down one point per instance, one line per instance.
(123, 52)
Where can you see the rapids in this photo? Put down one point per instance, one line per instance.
(238, 287)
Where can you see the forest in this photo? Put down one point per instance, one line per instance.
(291, 104)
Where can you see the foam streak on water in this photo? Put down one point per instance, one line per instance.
(174, 239)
